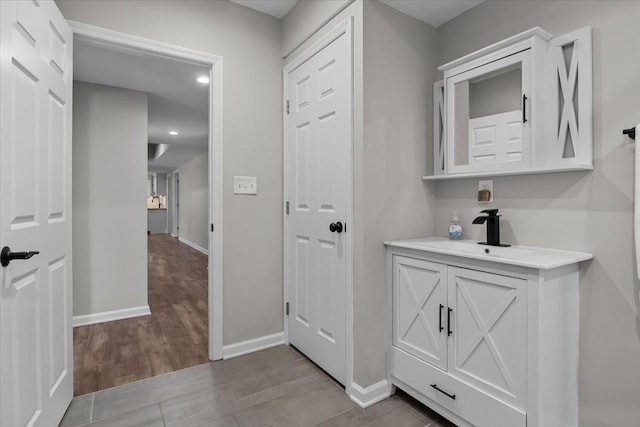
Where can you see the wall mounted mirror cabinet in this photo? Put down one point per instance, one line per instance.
(522, 105)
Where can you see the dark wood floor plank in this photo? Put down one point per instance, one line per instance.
(173, 337)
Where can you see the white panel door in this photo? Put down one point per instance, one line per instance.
(420, 309)
(488, 347)
(318, 151)
(36, 361)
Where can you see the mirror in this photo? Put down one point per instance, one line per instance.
(488, 118)
(488, 108)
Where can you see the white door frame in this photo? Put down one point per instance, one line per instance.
(127, 42)
(175, 177)
(345, 27)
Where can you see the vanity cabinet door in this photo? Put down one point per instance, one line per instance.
(488, 346)
(420, 309)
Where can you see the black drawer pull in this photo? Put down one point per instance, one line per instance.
(440, 318)
(449, 331)
(452, 396)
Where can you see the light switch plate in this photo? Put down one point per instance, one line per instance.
(486, 185)
(245, 185)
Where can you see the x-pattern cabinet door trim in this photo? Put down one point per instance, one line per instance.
(420, 298)
(488, 348)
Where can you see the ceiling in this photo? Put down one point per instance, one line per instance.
(176, 101)
(433, 12)
(277, 8)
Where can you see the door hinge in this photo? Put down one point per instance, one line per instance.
(287, 309)
(287, 207)
(212, 228)
(287, 106)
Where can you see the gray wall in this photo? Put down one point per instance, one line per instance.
(109, 191)
(194, 201)
(394, 58)
(578, 210)
(399, 54)
(305, 19)
(250, 43)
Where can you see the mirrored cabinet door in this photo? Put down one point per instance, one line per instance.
(490, 125)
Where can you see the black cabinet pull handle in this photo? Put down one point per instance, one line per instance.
(524, 108)
(6, 256)
(336, 227)
(449, 331)
(440, 318)
(452, 396)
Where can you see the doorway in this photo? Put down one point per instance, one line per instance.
(204, 330)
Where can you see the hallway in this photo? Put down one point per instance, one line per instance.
(173, 337)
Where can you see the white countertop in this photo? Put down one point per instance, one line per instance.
(523, 256)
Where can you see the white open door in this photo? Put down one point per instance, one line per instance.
(318, 173)
(36, 361)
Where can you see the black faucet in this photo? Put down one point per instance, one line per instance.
(493, 227)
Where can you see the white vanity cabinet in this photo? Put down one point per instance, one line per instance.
(480, 340)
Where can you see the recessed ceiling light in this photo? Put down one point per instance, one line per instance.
(173, 132)
(203, 79)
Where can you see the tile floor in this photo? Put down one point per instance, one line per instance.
(273, 387)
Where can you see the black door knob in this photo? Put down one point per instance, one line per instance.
(6, 256)
(336, 227)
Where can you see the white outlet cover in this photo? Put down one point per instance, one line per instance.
(486, 185)
(245, 185)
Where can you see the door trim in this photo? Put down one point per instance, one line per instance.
(128, 42)
(345, 27)
(175, 177)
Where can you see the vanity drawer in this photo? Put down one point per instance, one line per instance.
(471, 404)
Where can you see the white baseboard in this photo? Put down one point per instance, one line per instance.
(249, 346)
(194, 246)
(366, 397)
(108, 316)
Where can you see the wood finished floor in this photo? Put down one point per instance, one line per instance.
(173, 337)
(273, 387)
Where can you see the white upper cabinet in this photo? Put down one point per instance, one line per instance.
(522, 105)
